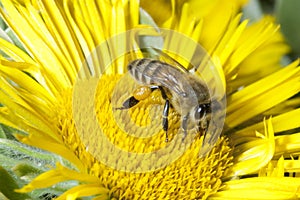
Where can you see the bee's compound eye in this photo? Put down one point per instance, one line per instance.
(199, 112)
(142, 92)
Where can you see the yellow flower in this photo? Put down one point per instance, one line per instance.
(43, 96)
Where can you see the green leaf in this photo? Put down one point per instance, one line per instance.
(8, 185)
(288, 15)
(13, 153)
(26, 162)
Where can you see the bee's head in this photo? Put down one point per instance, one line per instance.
(201, 110)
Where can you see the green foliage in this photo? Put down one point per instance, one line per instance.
(20, 164)
(8, 185)
(288, 15)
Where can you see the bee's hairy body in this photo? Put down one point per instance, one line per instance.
(187, 91)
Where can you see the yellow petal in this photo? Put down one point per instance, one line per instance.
(14, 52)
(249, 157)
(95, 22)
(280, 168)
(85, 190)
(44, 180)
(49, 144)
(10, 119)
(159, 17)
(283, 122)
(263, 95)
(40, 50)
(27, 115)
(24, 81)
(63, 35)
(80, 29)
(287, 144)
(59, 174)
(216, 29)
(260, 188)
(273, 169)
(229, 41)
(4, 118)
(240, 97)
(252, 38)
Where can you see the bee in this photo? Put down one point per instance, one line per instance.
(185, 92)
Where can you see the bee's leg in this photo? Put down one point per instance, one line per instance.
(154, 87)
(202, 114)
(202, 126)
(165, 122)
(184, 125)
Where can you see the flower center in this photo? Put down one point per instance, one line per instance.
(187, 177)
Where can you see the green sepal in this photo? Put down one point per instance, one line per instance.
(2, 133)
(26, 170)
(145, 18)
(3, 25)
(7, 132)
(15, 39)
(148, 40)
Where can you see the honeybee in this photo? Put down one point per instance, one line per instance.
(185, 92)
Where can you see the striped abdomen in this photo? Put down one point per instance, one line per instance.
(154, 72)
(189, 93)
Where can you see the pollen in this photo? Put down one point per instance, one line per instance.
(187, 177)
(142, 93)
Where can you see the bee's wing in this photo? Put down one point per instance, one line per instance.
(166, 75)
(168, 59)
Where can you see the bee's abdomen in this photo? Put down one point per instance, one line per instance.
(143, 70)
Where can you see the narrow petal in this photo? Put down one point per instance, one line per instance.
(48, 144)
(38, 47)
(287, 144)
(255, 154)
(57, 175)
(85, 190)
(263, 95)
(260, 188)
